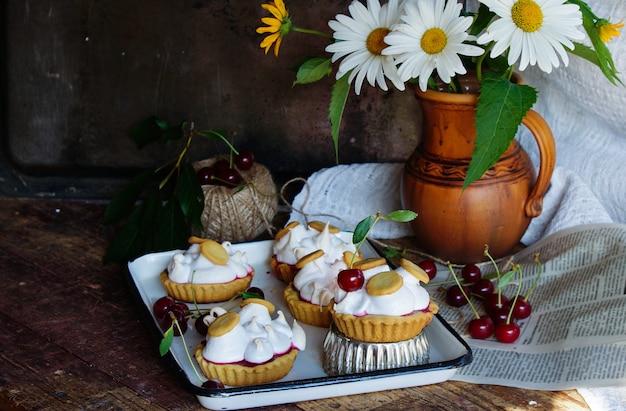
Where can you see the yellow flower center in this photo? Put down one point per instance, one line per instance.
(527, 15)
(375, 42)
(434, 40)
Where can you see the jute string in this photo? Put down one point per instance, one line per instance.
(239, 214)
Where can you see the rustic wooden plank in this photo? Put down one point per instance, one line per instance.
(72, 333)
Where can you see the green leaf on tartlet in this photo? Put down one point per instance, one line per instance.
(401, 216)
(365, 226)
(502, 105)
(362, 229)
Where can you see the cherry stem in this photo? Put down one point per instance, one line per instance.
(486, 253)
(540, 270)
(377, 217)
(458, 283)
(182, 338)
(517, 268)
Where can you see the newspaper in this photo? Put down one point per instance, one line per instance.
(575, 337)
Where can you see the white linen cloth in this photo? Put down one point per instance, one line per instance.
(345, 194)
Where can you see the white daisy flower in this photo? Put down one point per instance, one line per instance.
(535, 31)
(359, 38)
(431, 37)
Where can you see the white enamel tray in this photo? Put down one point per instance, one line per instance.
(307, 380)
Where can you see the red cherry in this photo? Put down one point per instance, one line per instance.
(200, 326)
(213, 384)
(254, 292)
(501, 314)
(429, 267)
(167, 321)
(521, 309)
(455, 297)
(481, 328)
(483, 287)
(471, 273)
(180, 306)
(228, 177)
(244, 160)
(205, 175)
(221, 165)
(351, 279)
(492, 302)
(507, 333)
(162, 305)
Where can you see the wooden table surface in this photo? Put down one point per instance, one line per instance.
(72, 336)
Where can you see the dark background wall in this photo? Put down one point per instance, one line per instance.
(77, 74)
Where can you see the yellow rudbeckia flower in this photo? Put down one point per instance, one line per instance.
(608, 30)
(278, 26)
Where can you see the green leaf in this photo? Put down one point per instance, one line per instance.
(122, 203)
(172, 231)
(501, 108)
(122, 244)
(506, 278)
(391, 252)
(338, 98)
(190, 195)
(482, 20)
(153, 129)
(147, 131)
(136, 236)
(166, 342)
(402, 216)
(150, 209)
(312, 70)
(362, 229)
(603, 58)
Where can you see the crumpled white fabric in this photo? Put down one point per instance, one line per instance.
(345, 194)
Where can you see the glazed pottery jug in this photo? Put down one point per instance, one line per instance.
(455, 224)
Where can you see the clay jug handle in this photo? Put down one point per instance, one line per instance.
(547, 155)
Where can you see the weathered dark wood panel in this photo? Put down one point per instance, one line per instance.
(79, 73)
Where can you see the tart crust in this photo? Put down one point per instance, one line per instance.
(283, 271)
(305, 312)
(383, 328)
(205, 293)
(238, 375)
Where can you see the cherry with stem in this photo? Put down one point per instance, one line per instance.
(481, 327)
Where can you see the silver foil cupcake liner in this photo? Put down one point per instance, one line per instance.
(343, 355)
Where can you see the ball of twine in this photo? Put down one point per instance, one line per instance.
(236, 214)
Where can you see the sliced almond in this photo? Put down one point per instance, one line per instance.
(384, 283)
(285, 230)
(308, 258)
(369, 263)
(214, 252)
(415, 270)
(223, 324)
(270, 307)
(319, 226)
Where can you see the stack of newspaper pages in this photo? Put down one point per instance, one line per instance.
(576, 335)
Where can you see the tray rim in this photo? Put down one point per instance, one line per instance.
(229, 392)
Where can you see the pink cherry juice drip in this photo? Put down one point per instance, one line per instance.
(245, 363)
